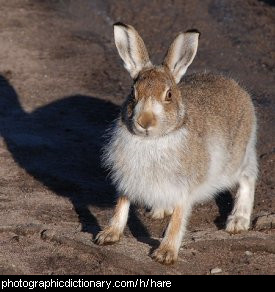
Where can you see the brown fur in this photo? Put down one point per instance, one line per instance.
(122, 200)
(220, 102)
(174, 225)
(146, 120)
(153, 83)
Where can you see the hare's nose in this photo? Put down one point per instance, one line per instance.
(146, 120)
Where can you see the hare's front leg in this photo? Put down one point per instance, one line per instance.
(167, 252)
(114, 231)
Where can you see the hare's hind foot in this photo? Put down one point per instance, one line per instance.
(237, 224)
(239, 220)
(159, 213)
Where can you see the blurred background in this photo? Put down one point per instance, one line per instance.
(61, 85)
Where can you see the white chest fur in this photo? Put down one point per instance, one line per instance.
(147, 170)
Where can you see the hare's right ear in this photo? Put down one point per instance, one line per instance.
(181, 53)
(131, 48)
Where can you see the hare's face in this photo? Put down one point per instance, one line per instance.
(154, 107)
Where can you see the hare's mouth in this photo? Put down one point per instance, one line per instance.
(140, 131)
(146, 133)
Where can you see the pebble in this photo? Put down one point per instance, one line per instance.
(215, 271)
(248, 253)
(265, 222)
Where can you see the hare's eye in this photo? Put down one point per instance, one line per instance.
(168, 96)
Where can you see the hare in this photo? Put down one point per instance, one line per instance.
(178, 143)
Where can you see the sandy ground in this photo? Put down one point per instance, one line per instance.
(61, 85)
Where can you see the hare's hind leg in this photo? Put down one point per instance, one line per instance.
(159, 213)
(239, 220)
(113, 232)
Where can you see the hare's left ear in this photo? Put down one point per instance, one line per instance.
(131, 48)
(181, 53)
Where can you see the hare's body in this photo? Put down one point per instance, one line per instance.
(176, 144)
(219, 154)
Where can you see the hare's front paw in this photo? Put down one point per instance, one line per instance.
(237, 224)
(109, 235)
(157, 214)
(165, 255)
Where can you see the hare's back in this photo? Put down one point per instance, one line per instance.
(220, 113)
(215, 103)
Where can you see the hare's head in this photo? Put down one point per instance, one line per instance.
(154, 108)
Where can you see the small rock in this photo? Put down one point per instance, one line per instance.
(248, 253)
(15, 238)
(215, 271)
(194, 239)
(47, 234)
(265, 222)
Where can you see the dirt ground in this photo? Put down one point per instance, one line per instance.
(61, 85)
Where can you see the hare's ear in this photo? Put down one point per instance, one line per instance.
(131, 48)
(181, 53)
